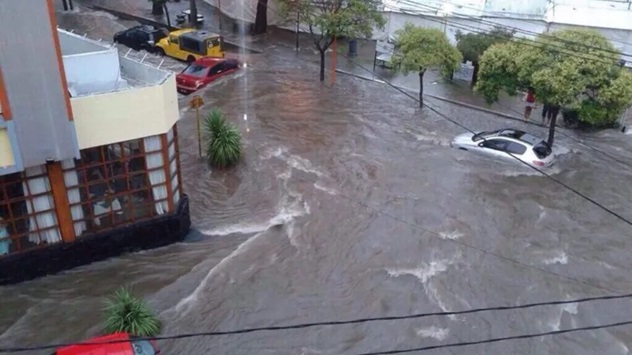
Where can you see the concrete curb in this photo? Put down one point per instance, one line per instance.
(455, 102)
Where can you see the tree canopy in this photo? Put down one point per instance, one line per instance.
(330, 19)
(418, 49)
(574, 69)
(473, 45)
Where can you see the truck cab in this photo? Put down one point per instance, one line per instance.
(189, 45)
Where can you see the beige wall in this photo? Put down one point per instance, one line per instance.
(6, 153)
(125, 115)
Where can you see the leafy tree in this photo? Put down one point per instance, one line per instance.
(418, 49)
(224, 141)
(574, 69)
(126, 313)
(261, 18)
(473, 45)
(330, 19)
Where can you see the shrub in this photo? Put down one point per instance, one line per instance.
(129, 314)
(224, 141)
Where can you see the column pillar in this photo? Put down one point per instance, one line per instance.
(60, 197)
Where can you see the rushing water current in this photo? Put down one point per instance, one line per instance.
(350, 203)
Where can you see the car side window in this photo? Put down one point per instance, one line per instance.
(516, 148)
(496, 144)
(230, 65)
(216, 69)
(173, 39)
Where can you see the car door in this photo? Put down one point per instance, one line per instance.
(496, 147)
(216, 71)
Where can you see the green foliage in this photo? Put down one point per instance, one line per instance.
(418, 49)
(473, 45)
(331, 18)
(126, 313)
(576, 69)
(224, 141)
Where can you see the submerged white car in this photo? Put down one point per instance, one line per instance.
(507, 144)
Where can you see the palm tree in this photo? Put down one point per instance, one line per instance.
(126, 313)
(224, 141)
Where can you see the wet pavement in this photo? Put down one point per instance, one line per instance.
(350, 203)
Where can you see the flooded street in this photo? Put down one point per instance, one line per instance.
(350, 203)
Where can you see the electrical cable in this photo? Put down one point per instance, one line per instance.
(322, 324)
(496, 340)
(306, 325)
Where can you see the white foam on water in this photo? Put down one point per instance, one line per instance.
(285, 216)
(302, 164)
(433, 332)
(273, 153)
(431, 138)
(542, 214)
(451, 235)
(325, 189)
(570, 308)
(423, 272)
(558, 257)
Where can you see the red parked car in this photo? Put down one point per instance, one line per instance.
(203, 71)
(127, 346)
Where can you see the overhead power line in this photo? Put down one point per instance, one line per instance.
(497, 340)
(322, 324)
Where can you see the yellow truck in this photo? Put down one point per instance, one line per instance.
(190, 45)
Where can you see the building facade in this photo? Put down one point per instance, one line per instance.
(88, 148)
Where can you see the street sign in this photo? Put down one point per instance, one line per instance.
(196, 102)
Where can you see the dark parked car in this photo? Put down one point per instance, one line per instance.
(141, 37)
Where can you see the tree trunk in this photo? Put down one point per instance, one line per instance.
(261, 20)
(421, 88)
(167, 14)
(194, 13)
(322, 64)
(157, 8)
(474, 74)
(552, 130)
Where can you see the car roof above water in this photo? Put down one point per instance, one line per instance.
(519, 135)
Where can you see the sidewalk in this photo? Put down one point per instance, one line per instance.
(456, 92)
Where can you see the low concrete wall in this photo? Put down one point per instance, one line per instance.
(154, 233)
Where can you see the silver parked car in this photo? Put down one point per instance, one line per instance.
(507, 142)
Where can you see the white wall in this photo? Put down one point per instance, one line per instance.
(95, 72)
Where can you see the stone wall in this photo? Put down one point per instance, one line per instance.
(154, 233)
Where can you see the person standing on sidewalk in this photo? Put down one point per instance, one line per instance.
(529, 100)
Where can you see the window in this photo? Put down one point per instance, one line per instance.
(27, 211)
(174, 164)
(174, 39)
(218, 68)
(516, 148)
(496, 144)
(192, 45)
(196, 70)
(230, 64)
(112, 185)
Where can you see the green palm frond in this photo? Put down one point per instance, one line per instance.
(126, 313)
(224, 141)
